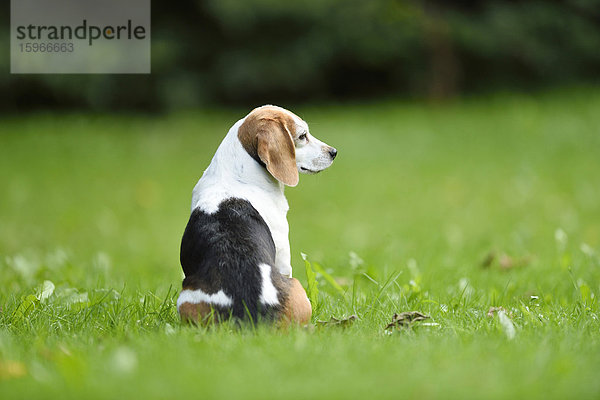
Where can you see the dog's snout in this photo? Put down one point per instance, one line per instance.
(332, 153)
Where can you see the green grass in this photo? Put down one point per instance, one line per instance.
(417, 198)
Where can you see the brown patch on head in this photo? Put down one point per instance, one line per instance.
(297, 308)
(267, 135)
(194, 313)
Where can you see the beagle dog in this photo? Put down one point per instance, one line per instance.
(235, 250)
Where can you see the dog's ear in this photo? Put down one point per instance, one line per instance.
(276, 149)
(268, 137)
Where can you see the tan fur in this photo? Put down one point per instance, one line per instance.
(267, 133)
(193, 313)
(297, 308)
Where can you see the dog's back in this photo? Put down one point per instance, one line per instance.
(227, 258)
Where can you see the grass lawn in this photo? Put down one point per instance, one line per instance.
(448, 210)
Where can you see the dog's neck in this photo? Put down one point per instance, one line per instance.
(233, 170)
(233, 163)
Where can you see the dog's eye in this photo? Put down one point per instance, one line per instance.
(302, 137)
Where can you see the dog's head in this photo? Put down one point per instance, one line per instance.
(280, 140)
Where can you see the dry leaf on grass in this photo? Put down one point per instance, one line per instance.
(505, 320)
(507, 325)
(406, 319)
(344, 322)
(494, 310)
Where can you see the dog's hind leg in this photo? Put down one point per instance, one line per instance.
(297, 307)
(196, 312)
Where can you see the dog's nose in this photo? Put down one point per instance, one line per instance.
(333, 153)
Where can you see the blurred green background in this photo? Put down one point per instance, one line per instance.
(208, 52)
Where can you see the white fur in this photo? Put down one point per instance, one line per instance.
(234, 173)
(312, 155)
(268, 293)
(198, 296)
